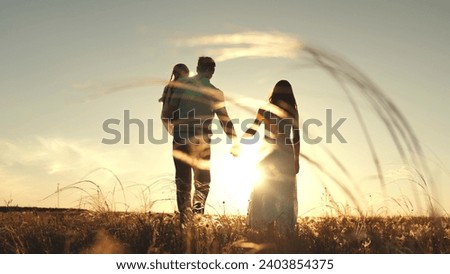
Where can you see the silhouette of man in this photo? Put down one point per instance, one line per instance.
(192, 108)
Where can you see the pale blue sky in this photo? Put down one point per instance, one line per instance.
(59, 57)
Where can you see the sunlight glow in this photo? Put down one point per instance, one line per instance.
(237, 176)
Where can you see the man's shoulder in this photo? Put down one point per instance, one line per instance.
(202, 82)
(209, 85)
(186, 79)
(216, 88)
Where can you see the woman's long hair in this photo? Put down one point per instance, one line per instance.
(283, 97)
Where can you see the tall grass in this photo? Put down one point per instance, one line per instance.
(93, 196)
(41, 232)
(353, 83)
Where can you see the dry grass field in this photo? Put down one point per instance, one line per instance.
(80, 231)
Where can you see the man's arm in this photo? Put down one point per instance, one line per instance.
(222, 113)
(226, 123)
(228, 127)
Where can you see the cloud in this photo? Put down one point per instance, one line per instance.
(222, 46)
(52, 155)
(30, 169)
(65, 156)
(247, 44)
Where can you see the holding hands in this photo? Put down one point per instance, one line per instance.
(235, 150)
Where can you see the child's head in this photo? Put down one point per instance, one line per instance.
(180, 71)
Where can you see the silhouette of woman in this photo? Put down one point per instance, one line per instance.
(273, 201)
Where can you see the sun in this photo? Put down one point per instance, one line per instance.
(235, 176)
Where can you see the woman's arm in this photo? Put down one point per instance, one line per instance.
(296, 143)
(256, 123)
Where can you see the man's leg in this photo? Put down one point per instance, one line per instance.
(183, 180)
(202, 178)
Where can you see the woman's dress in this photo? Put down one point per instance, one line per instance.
(273, 201)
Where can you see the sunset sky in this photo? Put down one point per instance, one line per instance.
(67, 66)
